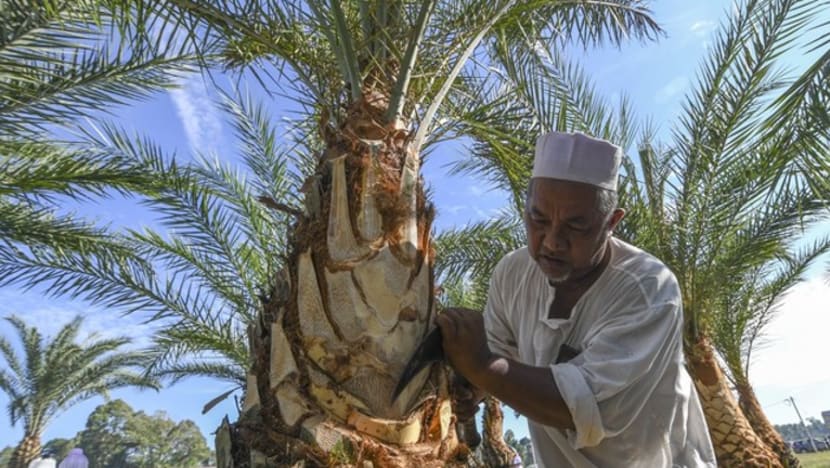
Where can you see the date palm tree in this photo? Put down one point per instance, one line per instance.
(723, 204)
(52, 375)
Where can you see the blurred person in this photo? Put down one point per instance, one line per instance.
(75, 459)
(45, 460)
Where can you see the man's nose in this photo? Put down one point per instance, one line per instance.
(555, 240)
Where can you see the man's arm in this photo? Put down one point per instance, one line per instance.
(529, 390)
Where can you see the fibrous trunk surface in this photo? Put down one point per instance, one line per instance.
(763, 427)
(734, 440)
(27, 450)
(346, 315)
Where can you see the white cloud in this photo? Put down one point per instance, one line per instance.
(674, 87)
(702, 27)
(197, 113)
(476, 190)
(455, 209)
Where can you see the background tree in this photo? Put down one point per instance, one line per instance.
(103, 437)
(59, 447)
(795, 431)
(117, 436)
(160, 442)
(54, 374)
(6, 456)
(522, 447)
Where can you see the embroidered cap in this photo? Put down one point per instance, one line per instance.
(577, 157)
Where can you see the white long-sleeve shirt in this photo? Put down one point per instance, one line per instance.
(633, 403)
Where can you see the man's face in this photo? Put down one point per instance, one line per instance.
(565, 231)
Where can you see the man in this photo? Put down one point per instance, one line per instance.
(582, 331)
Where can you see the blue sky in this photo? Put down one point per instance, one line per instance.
(654, 76)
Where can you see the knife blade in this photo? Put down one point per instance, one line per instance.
(430, 351)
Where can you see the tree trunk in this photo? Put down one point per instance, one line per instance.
(27, 450)
(345, 316)
(495, 453)
(762, 426)
(734, 440)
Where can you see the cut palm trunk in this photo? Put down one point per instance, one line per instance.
(344, 318)
(734, 440)
(762, 426)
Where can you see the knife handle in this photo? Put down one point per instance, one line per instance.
(466, 428)
(468, 432)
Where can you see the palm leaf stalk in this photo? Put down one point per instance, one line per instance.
(52, 375)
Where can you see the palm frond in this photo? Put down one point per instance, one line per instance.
(177, 372)
(470, 293)
(474, 250)
(58, 64)
(773, 291)
(583, 22)
(42, 169)
(34, 227)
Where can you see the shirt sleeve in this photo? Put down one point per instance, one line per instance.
(500, 335)
(607, 385)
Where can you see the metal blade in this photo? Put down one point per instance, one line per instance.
(430, 350)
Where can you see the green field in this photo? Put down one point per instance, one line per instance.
(815, 460)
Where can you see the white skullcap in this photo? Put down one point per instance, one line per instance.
(577, 157)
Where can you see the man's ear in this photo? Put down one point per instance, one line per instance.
(615, 219)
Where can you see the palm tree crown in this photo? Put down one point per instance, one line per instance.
(50, 376)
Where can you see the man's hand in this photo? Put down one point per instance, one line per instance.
(464, 341)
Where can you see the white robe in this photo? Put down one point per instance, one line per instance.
(631, 399)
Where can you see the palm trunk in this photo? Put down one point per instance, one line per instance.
(27, 450)
(734, 440)
(495, 452)
(345, 316)
(762, 426)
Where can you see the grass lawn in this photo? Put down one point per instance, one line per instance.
(815, 460)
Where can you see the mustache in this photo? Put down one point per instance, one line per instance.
(553, 256)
